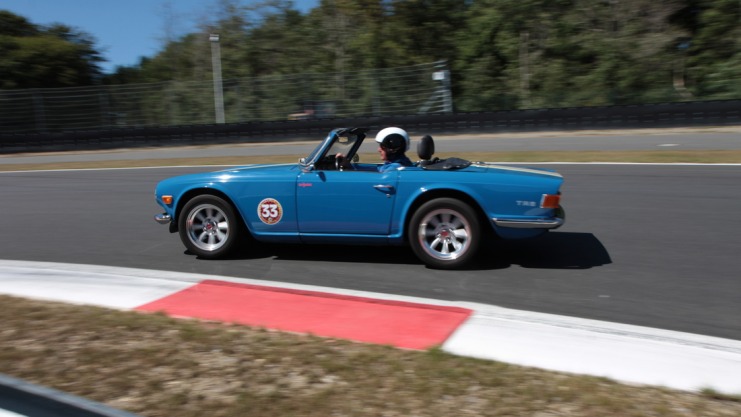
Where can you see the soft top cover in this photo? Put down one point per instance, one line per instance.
(447, 164)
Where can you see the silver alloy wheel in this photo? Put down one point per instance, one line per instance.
(444, 234)
(208, 227)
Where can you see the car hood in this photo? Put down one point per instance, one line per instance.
(247, 170)
(263, 168)
(225, 175)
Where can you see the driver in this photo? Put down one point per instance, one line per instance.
(393, 142)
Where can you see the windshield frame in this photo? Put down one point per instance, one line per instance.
(333, 144)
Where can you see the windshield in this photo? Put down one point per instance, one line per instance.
(316, 150)
(343, 144)
(339, 141)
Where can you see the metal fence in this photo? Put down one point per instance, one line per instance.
(415, 89)
(710, 113)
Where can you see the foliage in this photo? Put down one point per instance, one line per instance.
(504, 54)
(41, 57)
(714, 47)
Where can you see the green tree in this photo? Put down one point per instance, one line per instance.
(713, 47)
(504, 54)
(488, 55)
(426, 29)
(533, 53)
(13, 25)
(45, 57)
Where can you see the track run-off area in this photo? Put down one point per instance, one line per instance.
(649, 245)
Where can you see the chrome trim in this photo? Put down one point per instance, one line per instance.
(163, 218)
(529, 224)
(517, 169)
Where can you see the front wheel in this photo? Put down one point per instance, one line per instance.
(445, 233)
(209, 227)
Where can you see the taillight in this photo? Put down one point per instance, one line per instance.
(550, 201)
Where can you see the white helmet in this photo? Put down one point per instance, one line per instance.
(392, 137)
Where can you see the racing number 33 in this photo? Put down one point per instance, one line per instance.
(270, 211)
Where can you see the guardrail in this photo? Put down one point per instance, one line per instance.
(687, 114)
(22, 398)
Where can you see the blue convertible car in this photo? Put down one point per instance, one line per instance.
(443, 209)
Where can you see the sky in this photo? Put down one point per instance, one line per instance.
(125, 30)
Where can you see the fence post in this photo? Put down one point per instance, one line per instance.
(218, 88)
(38, 111)
(106, 115)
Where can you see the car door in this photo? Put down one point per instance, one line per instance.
(345, 202)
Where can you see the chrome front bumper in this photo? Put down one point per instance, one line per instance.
(163, 218)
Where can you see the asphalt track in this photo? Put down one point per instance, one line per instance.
(646, 245)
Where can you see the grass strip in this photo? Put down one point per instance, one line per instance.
(154, 365)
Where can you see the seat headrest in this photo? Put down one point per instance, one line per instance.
(425, 147)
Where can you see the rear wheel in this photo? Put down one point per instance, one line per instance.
(209, 227)
(445, 233)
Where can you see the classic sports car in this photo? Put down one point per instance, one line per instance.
(443, 209)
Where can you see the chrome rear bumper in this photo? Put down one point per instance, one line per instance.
(529, 224)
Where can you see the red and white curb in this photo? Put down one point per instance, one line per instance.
(625, 353)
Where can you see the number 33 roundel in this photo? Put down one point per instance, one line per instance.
(270, 211)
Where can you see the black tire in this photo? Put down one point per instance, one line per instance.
(209, 227)
(445, 233)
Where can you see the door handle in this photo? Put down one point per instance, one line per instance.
(388, 189)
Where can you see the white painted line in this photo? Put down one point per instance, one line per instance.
(625, 353)
(119, 168)
(81, 284)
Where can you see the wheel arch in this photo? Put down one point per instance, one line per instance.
(443, 193)
(195, 192)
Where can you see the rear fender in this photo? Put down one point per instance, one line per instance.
(423, 195)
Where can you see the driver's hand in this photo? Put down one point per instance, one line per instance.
(345, 162)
